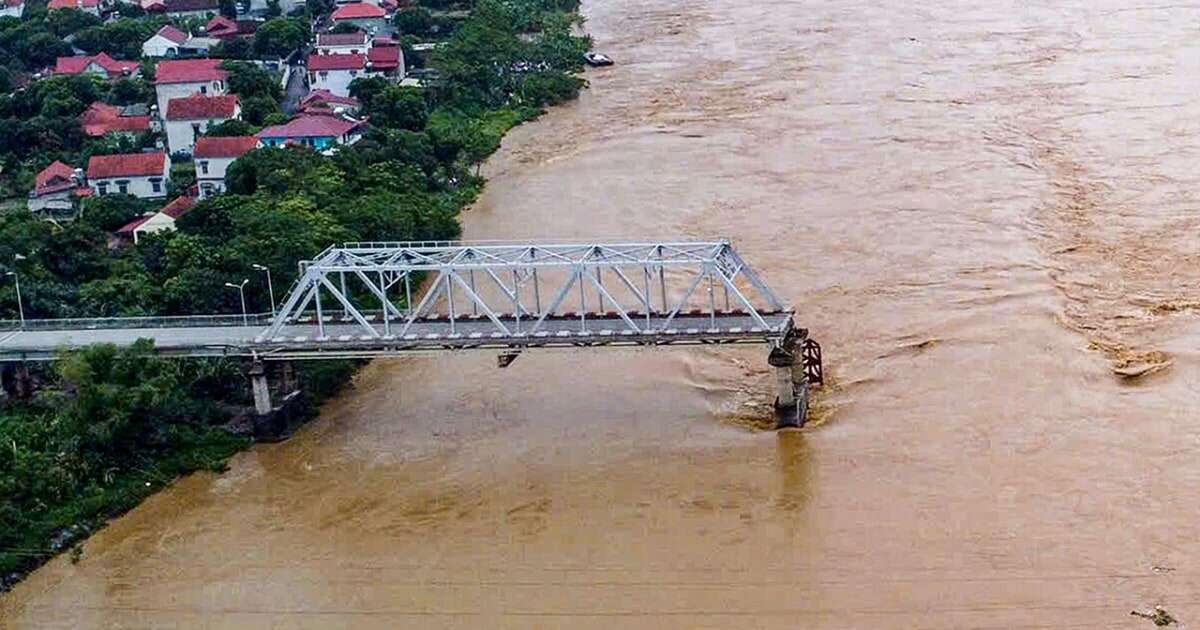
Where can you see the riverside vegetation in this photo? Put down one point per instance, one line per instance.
(109, 426)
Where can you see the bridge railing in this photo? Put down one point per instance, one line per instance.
(110, 323)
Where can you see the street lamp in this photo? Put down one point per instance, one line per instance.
(242, 292)
(20, 305)
(270, 289)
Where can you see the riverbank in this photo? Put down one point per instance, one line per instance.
(110, 428)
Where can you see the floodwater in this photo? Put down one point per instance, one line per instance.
(982, 209)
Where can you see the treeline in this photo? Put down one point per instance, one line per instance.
(110, 426)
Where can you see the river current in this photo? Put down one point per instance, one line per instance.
(987, 214)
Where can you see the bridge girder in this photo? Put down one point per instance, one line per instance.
(645, 285)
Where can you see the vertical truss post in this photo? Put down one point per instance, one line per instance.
(384, 306)
(320, 313)
(346, 304)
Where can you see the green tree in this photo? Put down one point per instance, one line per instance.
(280, 36)
(399, 108)
(344, 27)
(478, 62)
(231, 128)
(235, 48)
(65, 22)
(112, 211)
(121, 39)
(364, 89)
(256, 109)
(414, 21)
(248, 80)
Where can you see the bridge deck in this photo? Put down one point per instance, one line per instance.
(349, 339)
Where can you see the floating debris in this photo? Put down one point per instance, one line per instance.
(1160, 617)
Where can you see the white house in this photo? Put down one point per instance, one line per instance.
(212, 157)
(335, 72)
(161, 221)
(12, 8)
(367, 17)
(175, 78)
(100, 65)
(164, 43)
(189, 117)
(56, 190)
(142, 175)
(342, 43)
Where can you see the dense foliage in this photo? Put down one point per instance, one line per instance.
(110, 422)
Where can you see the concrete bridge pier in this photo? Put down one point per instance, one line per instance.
(271, 420)
(261, 388)
(791, 380)
(15, 380)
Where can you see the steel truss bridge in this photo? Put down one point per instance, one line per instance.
(383, 299)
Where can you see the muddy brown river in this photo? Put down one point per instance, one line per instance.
(984, 210)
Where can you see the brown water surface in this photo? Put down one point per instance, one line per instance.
(980, 208)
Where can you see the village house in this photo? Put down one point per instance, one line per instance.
(326, 102)
(222, 28)
(57, 189)
(172, 42)
(342, 43)
(182, 8)
(335, 72)
(323, 133)
(143, 175)
(175, 78)
(212, 157)
(87, 6)
(12, 8)
(100, 64)
(161, 221)
(189, 117)
(386, 61)
(101, 119)
(366, 17)
(262, 7)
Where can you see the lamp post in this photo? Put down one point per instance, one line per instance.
(270, 289)
(242, 292)
(20, 305)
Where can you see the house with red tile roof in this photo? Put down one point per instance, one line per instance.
(212, 157)
(323, 133)
(176, 78)
(387, 61)
(100, 64)
(187, 118)
(56, 190)
(87, 6)
(161, 221)
(341, 43)
(334, 73)
(367, 17)
(182, 8)
(100, 119)
(171, 42)
(12, 8)
(143, 175)
(223, 28)
(326, 102)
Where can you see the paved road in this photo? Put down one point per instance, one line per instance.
(296, 88)
(351, 338)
